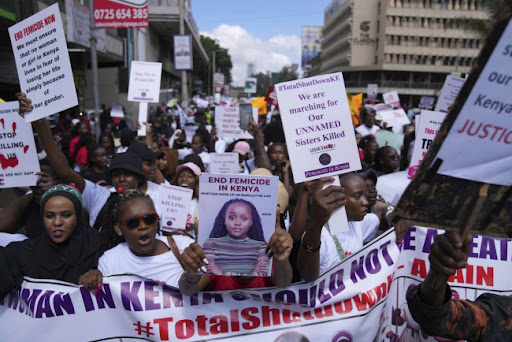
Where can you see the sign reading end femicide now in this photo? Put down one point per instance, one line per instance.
(318, 127)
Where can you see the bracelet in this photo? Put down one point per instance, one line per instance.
(189, 282)
(311, 249)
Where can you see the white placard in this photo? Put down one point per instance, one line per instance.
(250, 85)
(145, 82)
(257, 195)
(143, 117)
(183, 52)
(318, 127)
(478, 145)
(116, 110)
(428, 125)
(395, 118)
(372, 90)
(18, 154)
(42, 62)
(449, 92)
(227, 123)
(224, 163)
(391, 97)
(174, 203)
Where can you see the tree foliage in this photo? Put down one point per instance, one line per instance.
(288, 73)
(481, 26)
(263, 82)
(223, 64)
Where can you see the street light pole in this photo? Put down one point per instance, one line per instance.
(214, 67)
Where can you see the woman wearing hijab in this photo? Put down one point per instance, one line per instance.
(66, 250)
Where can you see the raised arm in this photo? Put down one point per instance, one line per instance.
(261, 155)
(54, 153)
(324, 202)
(280, 245)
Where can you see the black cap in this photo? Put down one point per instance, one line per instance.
(126, 161)
(144, 152)
(368, 173)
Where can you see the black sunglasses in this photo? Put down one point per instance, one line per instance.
(133, 222)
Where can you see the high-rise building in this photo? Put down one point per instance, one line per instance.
(250, 69)
(404, 45)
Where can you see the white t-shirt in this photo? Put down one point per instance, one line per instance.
(351, 241)
(96, 196)
(365, 130)
(163, 268)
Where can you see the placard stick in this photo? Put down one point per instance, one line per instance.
(435, 279)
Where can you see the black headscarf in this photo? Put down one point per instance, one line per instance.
(44, 259)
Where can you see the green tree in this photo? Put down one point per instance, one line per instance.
(223, 64)
(480, 26)
(263, 82)
(288, 73)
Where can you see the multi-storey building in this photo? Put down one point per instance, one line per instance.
(404, 45)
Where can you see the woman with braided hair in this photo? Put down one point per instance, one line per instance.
(131, 234)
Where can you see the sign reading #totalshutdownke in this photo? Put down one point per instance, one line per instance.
(318, 127)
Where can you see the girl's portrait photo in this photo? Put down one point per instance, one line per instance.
(236, 245)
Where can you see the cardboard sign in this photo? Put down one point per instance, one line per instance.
(18, 154)
(395, 118)
(236, 212)
(224, 163)
(174, 203)
(145, 82)
(484, 124)
(121, 14)
(449, 92)
(116, 110)
(463, 182)
(318, 127)
(42, 62)
(426, 130)
(392, 98)
(227, 123)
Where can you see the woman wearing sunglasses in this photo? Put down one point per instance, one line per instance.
(131, 235)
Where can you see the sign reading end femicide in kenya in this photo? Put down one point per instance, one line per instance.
(18, 155)
(145, 82)
(483, 127)
(42, 61)
(463, 182)
(318, 127)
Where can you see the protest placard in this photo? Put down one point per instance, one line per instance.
(372, 90)
(395, 119)
(463, 182)
(42, 62)
(224, 163)
(250, 85)
(387, 138)
(449, 92)
(18, 154)
(145, 82)
(392, 98)
(426, 130)
(318, 127)
(237, 215)
(227, 123)
(174, 203)
(116, 110)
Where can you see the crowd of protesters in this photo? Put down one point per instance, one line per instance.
(93, 212)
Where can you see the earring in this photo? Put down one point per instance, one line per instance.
(120, 234)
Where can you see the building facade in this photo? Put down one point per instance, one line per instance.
(404, 45)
